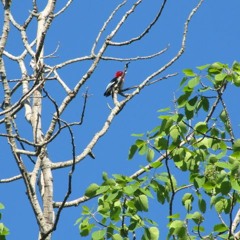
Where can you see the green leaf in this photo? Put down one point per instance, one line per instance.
(196, 217)
(177, 227)
(142, 203)
(236, 81)
(162, 144)
(159, 189)
(215, 132)
(166, 125)
(202, 205)
(85, 227)
(85, 210)
(187, 200)
(220, 227)
(132, 151)
(121, 179)
(150, 155)
(156, 164)
(143, 147)
(78, 221)
(117, 237)
(151, 233)
(189, 114)
(110, 182)
(223, 236)
(182, 100)
(193, 82)
(130, 189)
(225, 187)
(205, 104)
(182, 128)
(137, 134)
(199, 229)
(223, 116)
(102, 189)
(174, 133)
(236, 145)
(235, 185)
(236, 67)
(204, 89)
(163, 177)
(99, 235)
(150, 221)
(91, 190)
(1, 206)
(219, 206)
(146, 192)
(220, 77)
(187, 196)
(201, 127)
(139, 143)
(104, 176)
(203, 67)
(112, 196)
(234, 156)
(187, 89)
(224, 165)
(177, 215)
(183, 81)
(189, 72)
(191, 104)
(103, 207)
(164, 109)
(204, 143)
(216, 68)
(4, 231)
(109, 231)
(115, 212)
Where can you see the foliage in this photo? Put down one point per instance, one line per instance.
(122, 201)
(3, 229)
(193, 164)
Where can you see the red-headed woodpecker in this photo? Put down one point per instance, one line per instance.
(115, 85)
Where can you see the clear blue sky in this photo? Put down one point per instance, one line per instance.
(213, 35)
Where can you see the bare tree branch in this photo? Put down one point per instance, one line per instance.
(236, 221)
(11, 179)
(136, 58)
(148, 28)
(105, 25)
(63, 9)
(35, 91)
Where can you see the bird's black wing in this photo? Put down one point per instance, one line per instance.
(109, 87)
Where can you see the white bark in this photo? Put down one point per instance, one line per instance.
(31, 101)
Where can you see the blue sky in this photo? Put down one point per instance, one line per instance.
(213, 36)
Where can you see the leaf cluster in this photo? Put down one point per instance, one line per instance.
(4, 231)
(121, 202)
(193, 167)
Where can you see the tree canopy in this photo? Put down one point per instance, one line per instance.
(193, 163)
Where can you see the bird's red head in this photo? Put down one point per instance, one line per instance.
(118, 74)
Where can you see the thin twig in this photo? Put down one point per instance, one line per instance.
(70, 175)
(105, 25)
(135, 58)
(152, 82)
(63, 9)
(148, 28)
(230, 233)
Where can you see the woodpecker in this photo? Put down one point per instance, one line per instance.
(115, 84)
